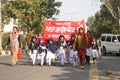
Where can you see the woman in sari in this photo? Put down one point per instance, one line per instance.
(14, 45)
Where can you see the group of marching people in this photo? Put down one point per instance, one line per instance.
(80, 48)
(47, 52)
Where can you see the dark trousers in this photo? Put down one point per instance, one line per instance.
(87, 59)
(94, 59)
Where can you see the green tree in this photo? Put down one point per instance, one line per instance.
(30, 13)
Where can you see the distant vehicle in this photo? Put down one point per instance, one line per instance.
(110, 43)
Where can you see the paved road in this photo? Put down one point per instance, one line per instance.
(110, 63)
(24, 70)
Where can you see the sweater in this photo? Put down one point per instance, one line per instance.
(81, 41)
(40, 47)
(52, 47)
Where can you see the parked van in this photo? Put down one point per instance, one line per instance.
(110, 43)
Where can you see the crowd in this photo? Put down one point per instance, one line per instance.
(77, 51)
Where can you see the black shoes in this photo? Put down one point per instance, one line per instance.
(62, 65)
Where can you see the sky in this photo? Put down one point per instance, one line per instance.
(74, 10)
(77, 10)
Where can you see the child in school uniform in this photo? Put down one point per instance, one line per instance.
(73, 53)
(67, 53)
(33, 49)
(94, 50)
(41, 52)
(61, 53)
(51, 52)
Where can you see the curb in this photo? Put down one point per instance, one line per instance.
(4, 53)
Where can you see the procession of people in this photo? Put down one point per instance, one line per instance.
(78, 51)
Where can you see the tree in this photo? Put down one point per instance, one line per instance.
(31, 13)
(103, 22)
(114, 7)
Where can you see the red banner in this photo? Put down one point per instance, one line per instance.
(52, 29)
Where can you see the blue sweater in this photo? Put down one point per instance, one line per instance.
(94, 45)
(52, 47)
(40, 49)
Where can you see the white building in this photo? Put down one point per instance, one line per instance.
(9, 27)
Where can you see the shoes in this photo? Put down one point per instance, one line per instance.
(13, 65)
(62, 65)
(100, 57)
(87, 64)
(33, 64)
(54, 64)
(82, 67)
(38, 64)
(29, 59)
(94, 61)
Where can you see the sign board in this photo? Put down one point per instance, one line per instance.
(53, 29)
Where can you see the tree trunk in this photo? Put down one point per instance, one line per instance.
(119, 19)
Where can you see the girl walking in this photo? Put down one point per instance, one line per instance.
(94, 50)
(33, 50)
(61, 53)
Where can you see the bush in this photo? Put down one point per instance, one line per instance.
(23, 41)
(4, 40)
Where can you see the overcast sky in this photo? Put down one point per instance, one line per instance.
(78, 9)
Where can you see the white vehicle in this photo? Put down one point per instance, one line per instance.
(110, 43)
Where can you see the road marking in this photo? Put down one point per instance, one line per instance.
(93, 74)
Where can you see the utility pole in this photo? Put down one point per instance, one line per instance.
(0, 27)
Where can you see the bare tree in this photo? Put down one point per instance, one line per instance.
(114, 13)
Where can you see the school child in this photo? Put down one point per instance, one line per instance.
(51, 52)
(61, 52)
(39, 37)
(41, 52)
(71, 46)
(74, 57)
(99, 48)
(89, 47)
(94, 50)
(33, 49)
(73, 36)
(28, 40)
(67, 53)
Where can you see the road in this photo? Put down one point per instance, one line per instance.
(24, 70)
(110, 63)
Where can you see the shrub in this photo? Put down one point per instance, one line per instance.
(4, 40)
